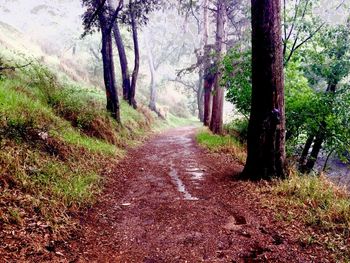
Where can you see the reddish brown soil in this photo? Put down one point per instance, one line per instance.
(171, 201)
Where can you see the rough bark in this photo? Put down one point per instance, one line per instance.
(266, 131)
(135, 72)
(108, 69)
(208, 101)
(216, 122)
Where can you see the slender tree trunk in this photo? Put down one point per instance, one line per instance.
(200, 97)
(319, 139)
(108, 69)
(216, 123)
(135, 72)
(305, 153)
(208, 101)
(153, 93)
(209, 73)
(266, 131)
(153, 87)
(207, 83)
(123, 61)
(205, 23)
(327, 159)
(315, 149)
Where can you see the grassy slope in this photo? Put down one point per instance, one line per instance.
(319, 209)
(56, 140)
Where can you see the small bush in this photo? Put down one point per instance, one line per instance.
(238, 128)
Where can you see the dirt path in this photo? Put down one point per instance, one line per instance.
(170, 201)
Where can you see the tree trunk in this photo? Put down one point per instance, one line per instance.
(108, 69)
(319, 139)
(153, 93)
(216, 123)
(316, 148)
(207, 83)
(266, 131)
(153, 87)
(305, 153)
(200, 97)
(123, 62)
(208, 101)
(205, 23)
(135, 72)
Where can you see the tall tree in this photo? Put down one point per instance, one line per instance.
(123, 61)
(136, 14)
(266, 132)
(135, 73)
(100, 15)
(207, 67)
(216, 123)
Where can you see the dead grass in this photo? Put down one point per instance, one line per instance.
(319, 205)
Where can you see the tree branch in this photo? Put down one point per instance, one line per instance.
(94, 15)
(115, 15)
(15, 67)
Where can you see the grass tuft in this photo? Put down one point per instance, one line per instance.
(315, 202)
(224, 144)
(325, 205)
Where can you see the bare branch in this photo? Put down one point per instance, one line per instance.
(15, 67)
(186, 84)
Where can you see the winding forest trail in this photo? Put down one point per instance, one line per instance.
(171, 201)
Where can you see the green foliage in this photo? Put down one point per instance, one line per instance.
(300, 24)
(302, 106)
(328, 59)
(308, 105)
(238, 128)
(237, 78)
(327, 63)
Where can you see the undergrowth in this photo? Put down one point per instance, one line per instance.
(224, 144)
(56, 141)
(321, 209)
(317, 203)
